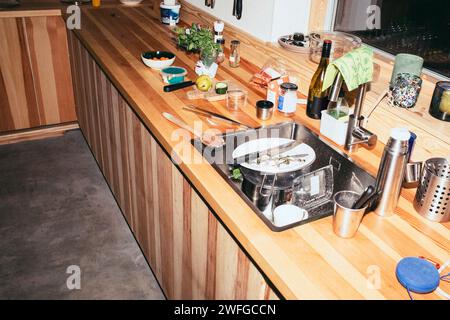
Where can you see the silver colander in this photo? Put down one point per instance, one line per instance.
(433, 194)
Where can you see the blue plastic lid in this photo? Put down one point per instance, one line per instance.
(417, 275)
(174, 70)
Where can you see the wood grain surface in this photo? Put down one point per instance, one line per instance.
(35, 79)
(191, 253)
(307, 262)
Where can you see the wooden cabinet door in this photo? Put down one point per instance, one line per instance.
(35, 76)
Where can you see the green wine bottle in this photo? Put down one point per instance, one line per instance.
(318, 99)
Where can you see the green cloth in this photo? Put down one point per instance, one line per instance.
(356, 68)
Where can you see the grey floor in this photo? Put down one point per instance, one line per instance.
(56, 211)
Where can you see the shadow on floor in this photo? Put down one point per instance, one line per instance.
(57, 211)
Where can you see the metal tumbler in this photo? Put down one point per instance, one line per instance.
(346, 220)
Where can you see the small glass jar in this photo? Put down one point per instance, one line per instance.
(221, 55)
(235, 57)
(236, 99)
(287, 101)
(440, 103)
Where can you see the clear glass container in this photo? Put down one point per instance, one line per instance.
(341, 109)
(342, 43)
(235, 58)
(236, 99)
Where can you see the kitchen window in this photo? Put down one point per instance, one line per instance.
(420, 27)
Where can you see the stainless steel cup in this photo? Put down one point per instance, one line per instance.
(413, 173)
(346, 220)
(264, 109)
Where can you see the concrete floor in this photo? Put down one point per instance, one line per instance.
(57, 211)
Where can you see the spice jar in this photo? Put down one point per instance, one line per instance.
(221, 55)
(235, 58)
(287, 101)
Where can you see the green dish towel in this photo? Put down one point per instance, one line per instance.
(356, 68)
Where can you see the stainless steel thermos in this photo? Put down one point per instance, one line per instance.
(391, 171)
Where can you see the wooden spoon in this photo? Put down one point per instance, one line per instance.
(208, 139)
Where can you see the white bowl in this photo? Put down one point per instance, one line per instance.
(130, 2)
(157, 64)
(287, 214)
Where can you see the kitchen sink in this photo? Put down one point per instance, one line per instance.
(346, 175)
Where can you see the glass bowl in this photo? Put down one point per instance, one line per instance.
(342, 44)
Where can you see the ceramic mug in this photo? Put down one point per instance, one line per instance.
(405, 90)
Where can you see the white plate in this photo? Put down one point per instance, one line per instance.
(268, 143)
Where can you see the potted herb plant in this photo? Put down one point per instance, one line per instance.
(199, 40)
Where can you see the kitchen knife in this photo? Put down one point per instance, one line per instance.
(215, 115)
(177, 86)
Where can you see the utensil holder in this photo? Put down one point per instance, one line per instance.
(432, 199)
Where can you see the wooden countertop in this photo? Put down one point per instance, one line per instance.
(307, 262)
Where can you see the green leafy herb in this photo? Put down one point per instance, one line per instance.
(236, 174)
(197, 39)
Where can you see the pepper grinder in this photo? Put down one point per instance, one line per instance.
(391, 171)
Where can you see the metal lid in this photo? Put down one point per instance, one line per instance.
(401, 134)
(235, 42)
(264, 104)
(289, 86)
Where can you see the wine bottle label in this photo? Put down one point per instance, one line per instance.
(314, 108)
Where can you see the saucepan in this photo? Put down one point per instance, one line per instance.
(264, 178)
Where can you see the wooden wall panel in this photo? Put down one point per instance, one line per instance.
(35, 80)
(190, 252)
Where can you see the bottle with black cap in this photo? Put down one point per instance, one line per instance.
(318, 99)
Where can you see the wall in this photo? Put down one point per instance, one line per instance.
(266, 19)
(290, 16)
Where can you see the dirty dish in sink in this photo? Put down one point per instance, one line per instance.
(273, 166)
(287, 214)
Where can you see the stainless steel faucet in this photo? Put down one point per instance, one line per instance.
(356, 134)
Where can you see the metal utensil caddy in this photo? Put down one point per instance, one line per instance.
(432, 199)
